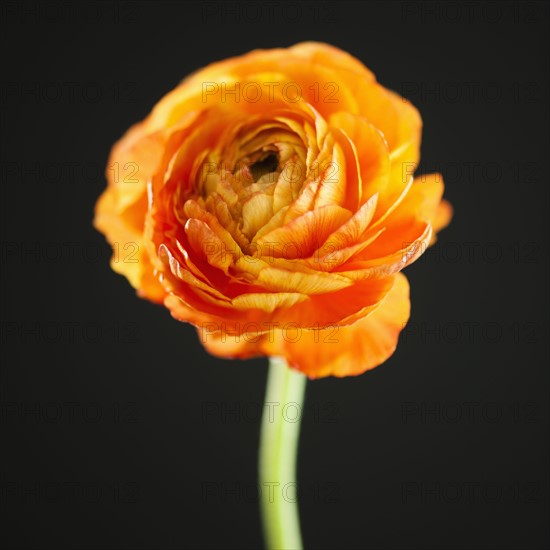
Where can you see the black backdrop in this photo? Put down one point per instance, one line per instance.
(119, 431)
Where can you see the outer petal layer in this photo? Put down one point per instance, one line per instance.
(331, 351)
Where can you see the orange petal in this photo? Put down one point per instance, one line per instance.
(277, 279)
(330, 56)
(424, 197)
(442, 216)
(130, 257)
(408, 227)
(350, 232)
(351, 350)
(207, 245)
(302, 236)
(369, 152)
(390, 252)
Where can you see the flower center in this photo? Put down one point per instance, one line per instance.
(247, 184)
(266, 164)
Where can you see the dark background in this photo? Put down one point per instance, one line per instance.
(120, 432)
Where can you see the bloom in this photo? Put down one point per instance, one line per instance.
(272, 202)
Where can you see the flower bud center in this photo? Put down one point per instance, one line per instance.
(266, 164)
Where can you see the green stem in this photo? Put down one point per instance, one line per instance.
(280, 431)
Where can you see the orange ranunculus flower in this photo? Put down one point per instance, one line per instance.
(272, 201)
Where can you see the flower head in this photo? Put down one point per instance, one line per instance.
(272, 200)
